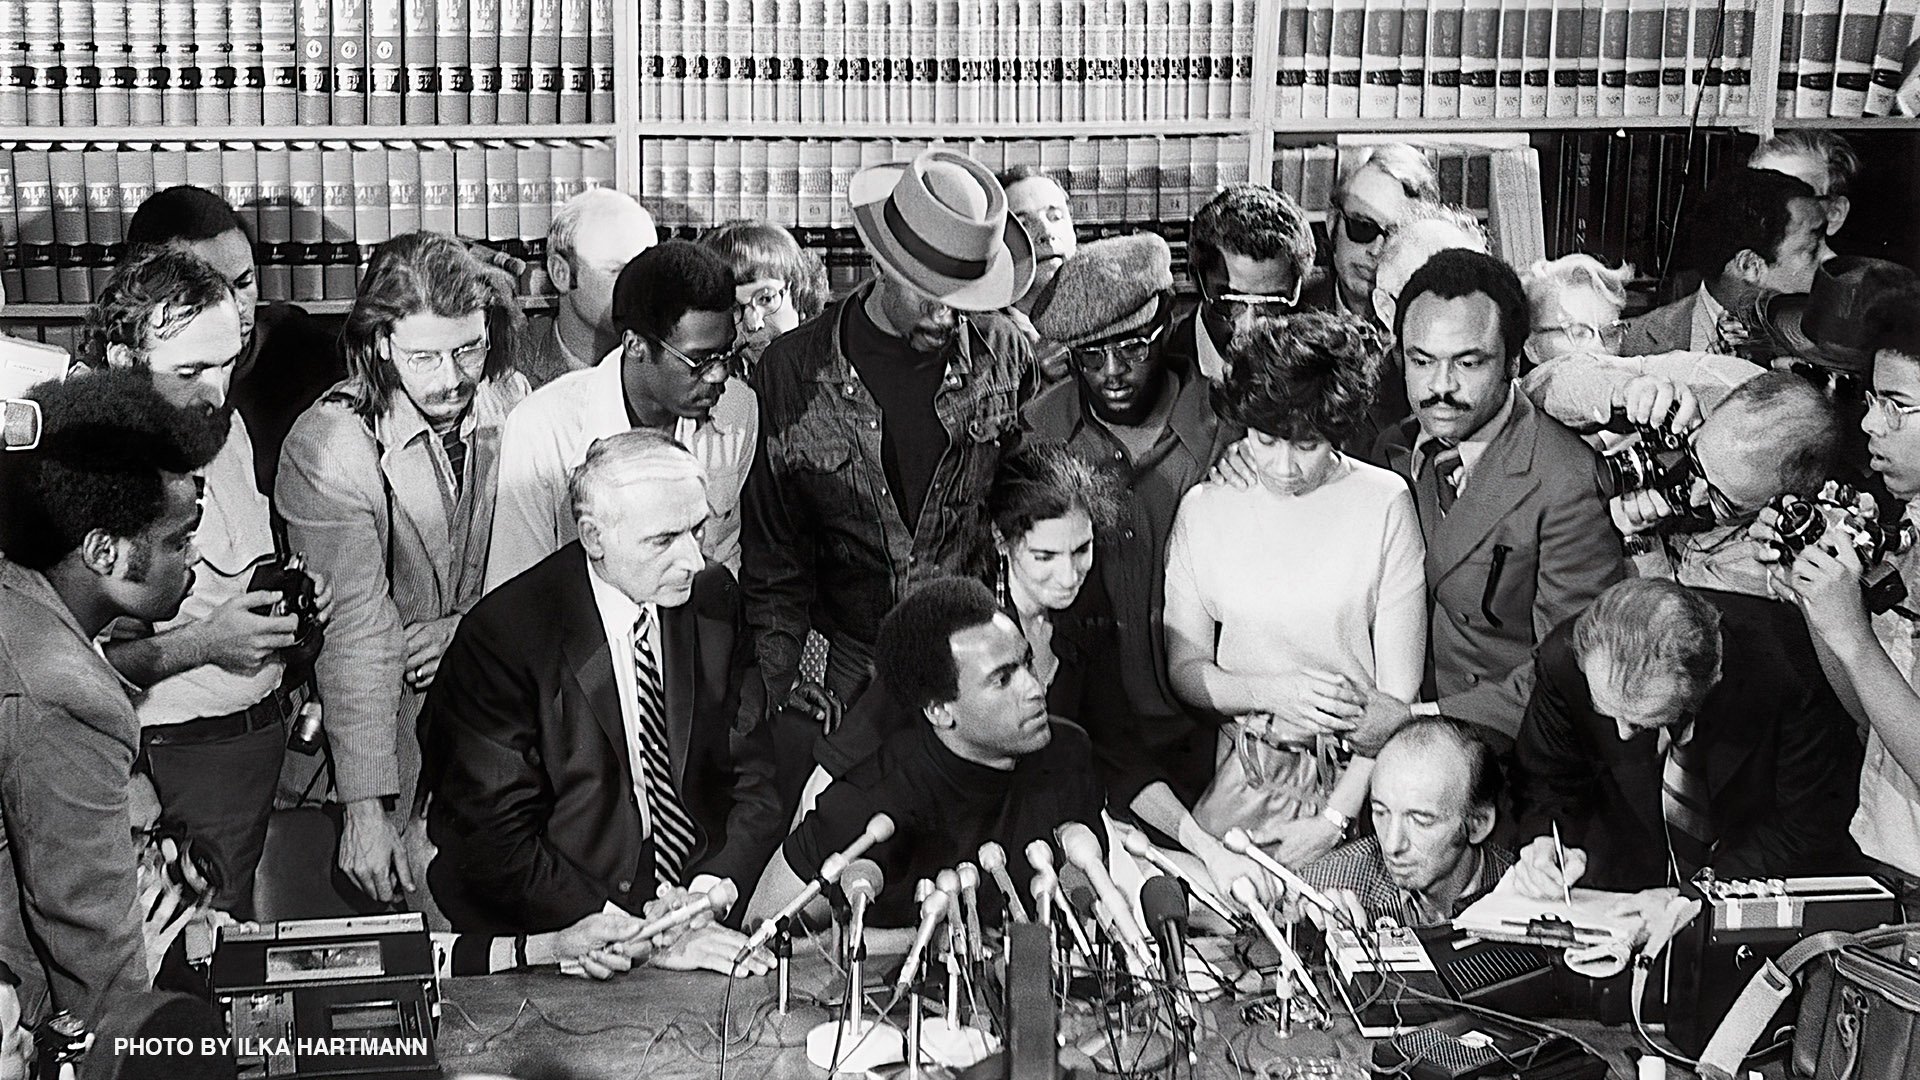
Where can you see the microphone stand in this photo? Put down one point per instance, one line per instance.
(783, 962)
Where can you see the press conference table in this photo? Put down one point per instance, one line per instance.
(657, 1024)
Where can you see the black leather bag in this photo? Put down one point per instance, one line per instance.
(1860, 1009)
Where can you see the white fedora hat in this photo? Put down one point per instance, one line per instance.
(940, 223)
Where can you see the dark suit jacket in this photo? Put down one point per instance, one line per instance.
(1527, 546)
(1782, 760)
(1664, 329)
(525, 755)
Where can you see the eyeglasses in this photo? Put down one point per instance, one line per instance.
(766, 302)
(1361, 230)
(1894, 413)
(707, 365)
(1132, 352)
(469, 357)
(1583, 335)
(1832, 381)
(1233, 304)
(1723, 507)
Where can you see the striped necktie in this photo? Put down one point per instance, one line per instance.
(1685, 806)
(1445, 475)
(456, 449)
(673, 835)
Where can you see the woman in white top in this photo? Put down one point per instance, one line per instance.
(1286, 600)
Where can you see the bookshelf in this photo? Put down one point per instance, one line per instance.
(787, 81)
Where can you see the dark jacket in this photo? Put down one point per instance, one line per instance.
(67, 741)
(1782, 760)
(823, 544)
(525, 755)
(293, 360)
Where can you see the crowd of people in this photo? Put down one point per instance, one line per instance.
(1398, 569)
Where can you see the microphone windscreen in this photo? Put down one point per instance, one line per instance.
(1079, 890)
(1162, 900)
(20, 422)
(862, 874)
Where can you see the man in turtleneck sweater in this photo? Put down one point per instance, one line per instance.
(987, 764)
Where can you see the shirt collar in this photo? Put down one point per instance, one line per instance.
(1207, 358)
(1477, 886)
(1475, 444)
(618, 612)
(1707, 313)
(402, 423)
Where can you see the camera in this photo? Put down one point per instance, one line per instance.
(286, 575)
(1854, 516)
(167, 852)
(1657, 462)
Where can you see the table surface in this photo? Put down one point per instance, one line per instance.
(659, 1024)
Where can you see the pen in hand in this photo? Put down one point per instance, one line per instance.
(1560, 864)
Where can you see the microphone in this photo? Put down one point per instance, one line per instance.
(879, 828)
(1164, 903)
(993, 859)
(861, 882)
(1073, 901)
(932, 910)
(717, 899)
(970, 907)
(1244, 891)
(20, 423)
(1238, 842)
(1083, 851)
(1140, 847)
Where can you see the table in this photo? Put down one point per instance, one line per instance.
(659, 1025)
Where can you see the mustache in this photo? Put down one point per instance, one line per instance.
(1443, 399)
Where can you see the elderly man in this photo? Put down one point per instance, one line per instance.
(1377, 188)
(1250, 249)
(1040, 205)
(674, 307)
(1511, 503)
(96, 524)
(213, 714)
(594, 738)
(1435, 793)
(388, 483)
(1825, 161)
(1672, 730)
(593, 237)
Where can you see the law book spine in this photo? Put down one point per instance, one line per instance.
(213, 64)
(897, 33)
(845, 161)
(773, 34)
(576, 68)
(1538, 70)
(1083, 179)
(271, 252)
(306, 262)
(671, 38)
(670, 208)
(814, 200)
(1205, 173)
(1563, 89)
(403, 180)
(1027, 61)
(470, 190)
(1787, 88)
(736, 75)
(170, 165)
(1110, 201)
(102, 195)
(240, 183)
(502, 58)
(452, 68)
(1245, 40)
(1674, 57)
(1313, 97)
(783, 182)
(176, 57)
(1343, 61)
(1199, 39)
(246, 27)
(1053, 63)
(1220, 86)
(133, 170)
(349, 62)
(923, 72)
(1174, 178)
(16, 82)
(437, 184)
(69, 179)
(1819, 46)
(33, 205)
(502, 196)
(1415, 26)
(1896, 33)
(46, 78)
(313, 25)
(1511, 89)
(1142, 181)
(1158, 66)
(596, 165)
(11, 282)
(855, 67)
(80, 62)
(543, 46)
(729, 182)
(1645, 24)
(693, 35)
(755, 184)
(1441, 98)
(653, 60)
(372, 204)
(1613, 58)
(339, 250)
(534, 183)
(1290, 66)
(1479, 58)
(701, 156)
(386, 72)
(1853, 57)
(1133, 57)
(1380, 59)
(417, 18)
(804, 98)
(1736, 66)
(1587, 102)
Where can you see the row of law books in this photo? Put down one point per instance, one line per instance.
(1620, 196)
(946, 61)
(1849, 58)
(803, 183)
(316, 210)
(210, 63)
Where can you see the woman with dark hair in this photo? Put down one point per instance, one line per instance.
(1287, 600)
(777, 284)
(387, 483)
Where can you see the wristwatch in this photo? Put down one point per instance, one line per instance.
(1336, 819)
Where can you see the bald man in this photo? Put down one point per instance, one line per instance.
(592, 239)
(593, 741)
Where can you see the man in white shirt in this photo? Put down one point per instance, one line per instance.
(213, 716)
(593, 237)
(594, 738)
(1755, 232)
(674, 306)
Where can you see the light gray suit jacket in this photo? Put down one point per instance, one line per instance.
(1664, 329)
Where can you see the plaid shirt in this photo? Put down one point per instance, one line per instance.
(1359, 867)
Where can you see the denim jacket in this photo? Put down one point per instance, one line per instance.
(823, 544)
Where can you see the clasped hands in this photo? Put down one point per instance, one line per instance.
(1307, 704)
(609, 942)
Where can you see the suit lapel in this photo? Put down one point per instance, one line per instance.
(1499, 482)
(679, 646)
(1636, 768)
(590, 660)
(419, 501)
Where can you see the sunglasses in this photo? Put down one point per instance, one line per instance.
(1234, 304)
(1836, 384)
(1361, 230)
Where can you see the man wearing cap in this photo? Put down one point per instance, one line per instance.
(674, 306)
(884, 420)
(1142, 413)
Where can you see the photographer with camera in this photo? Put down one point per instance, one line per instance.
(215, 706)
(97, 524)
(1684, 498)
(1873, 660)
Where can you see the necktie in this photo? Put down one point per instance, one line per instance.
(1684, 804)
(672, 827)
(1729, 334)
(456, 448)
(1445, 468)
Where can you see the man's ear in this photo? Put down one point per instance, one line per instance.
(940, 714)
(119, 355)
(590, 539)
(1838, 207)
(559, 271)
(1748, 266)
(1480, 824)
(100, 552)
